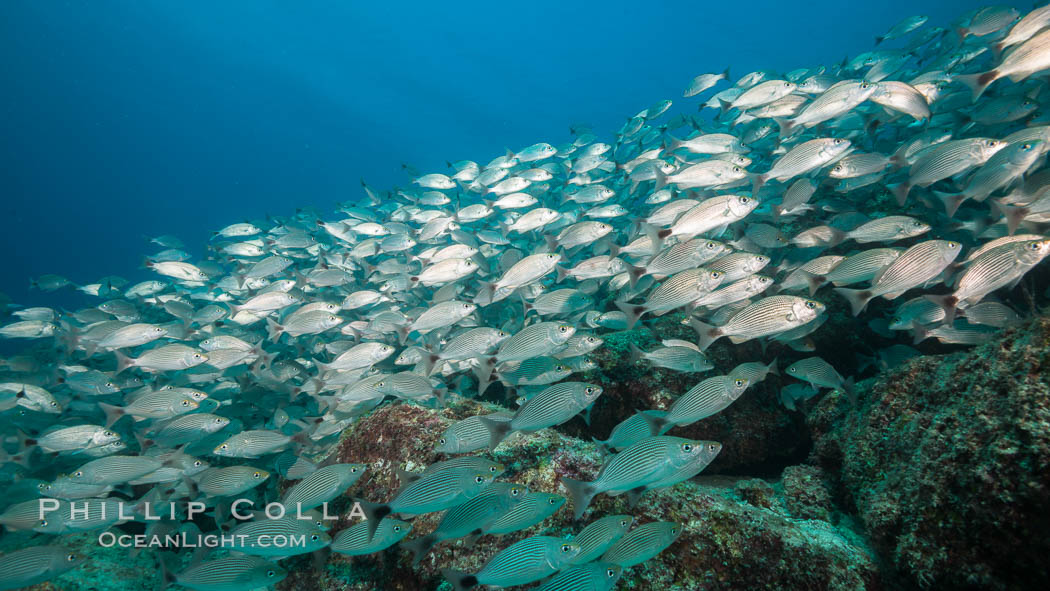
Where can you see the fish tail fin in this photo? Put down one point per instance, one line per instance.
(123, 361)
(273, 330)
(634, 312)
(419, 547)
(374, 513)
(429, 363)
(562, 273)
(706, 333)
(951, 201)
(459, 579)
(113, 413)
(757, 182)
(656, 236)
(634, 273)
(498, 431)
(977, 83)
(636, 354)
(485, 293)
(603, 449)
(900, 191)
(656, 422)
(919, 333)
(772, 367)
(858, 298)
(849, 387)
(1014, 215)
(661, 179)
(815, 281)
(581, 493)
(879, 39)
(787, 126)
(947, 303)
(483, 370)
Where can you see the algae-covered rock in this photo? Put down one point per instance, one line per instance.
(726, 543)
(947, 463)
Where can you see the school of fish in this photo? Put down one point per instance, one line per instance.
(913, 176)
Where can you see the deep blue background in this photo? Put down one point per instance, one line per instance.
(120, 119)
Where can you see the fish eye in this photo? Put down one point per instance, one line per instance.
(793, 369)
(739, 383)
(314, 538)
(515, 491)
(624, 523)
(493, 469)
(838, 141)
(380, 384)
(953, 245)
(53, 403)
(551, 501)
(712, 447)
(745, 200)
(71, 557)
(550, 256)
(1033, 246)
(78, 474)
(736, 169)
(353, 470)
(185, 402)
(811, 304)
(256, 475)
(479, 479)
(197, 464)
(566, 548)
(610, 573)
(441, 441)
(271, 573)
(397, 528)
(42, 523)
(710, 245)
(196, 355)
(589, 390)
(110, 385)
(716, 274)
(1026, 147)
(224, 446)
(674, 530)
(563, 328)
(687, 447)
(218, 420)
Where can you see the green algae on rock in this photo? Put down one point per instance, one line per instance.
(947, 462)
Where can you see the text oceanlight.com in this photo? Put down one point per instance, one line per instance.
(183, 540)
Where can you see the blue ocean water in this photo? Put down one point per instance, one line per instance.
(126, 119)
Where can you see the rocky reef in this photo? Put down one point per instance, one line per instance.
(946, 462)
(729, 540)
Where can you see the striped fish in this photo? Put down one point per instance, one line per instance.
(470, 517)
(434, 492)
(555, 405)
(707, 398)
(252, 444)
(534, 340)
(468, 434)
(534, 508)
(863, 266)
(596, 576)
(803, 158)
(995, 268)
(914, 267)
(642, 543)
(287, 536)
(947, 160)
(677, 291)
(649, 460)
(682, 256)
(354, 540)
(765, 317)
(323, 485)
(888, 229)
(187, 428)
(36, 564)
(520, 563)
(818, 372)
(231, 573)
(114, 470)
(627, 432)
(230, 481)
(599, 535)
